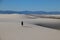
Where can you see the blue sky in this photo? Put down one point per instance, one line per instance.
(30, 5)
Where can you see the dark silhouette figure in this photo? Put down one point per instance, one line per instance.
(22, 23)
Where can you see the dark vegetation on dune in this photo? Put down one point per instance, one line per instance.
(52, 17)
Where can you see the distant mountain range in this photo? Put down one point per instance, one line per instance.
(28, 12)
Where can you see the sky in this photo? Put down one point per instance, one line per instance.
(30, 5)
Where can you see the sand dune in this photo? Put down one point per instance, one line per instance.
(45, 16)
(10, 28)
(45, 21)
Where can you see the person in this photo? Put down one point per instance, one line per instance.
(22, 23)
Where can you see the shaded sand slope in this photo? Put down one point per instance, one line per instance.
(12, 30)
(45, 22)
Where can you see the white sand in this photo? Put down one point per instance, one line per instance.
(10, 29)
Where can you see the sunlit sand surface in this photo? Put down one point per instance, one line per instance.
(11, 29)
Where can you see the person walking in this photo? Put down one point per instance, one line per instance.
(21, 23)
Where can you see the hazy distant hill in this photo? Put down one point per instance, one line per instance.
(28, 12)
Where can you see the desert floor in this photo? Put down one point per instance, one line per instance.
(11, 29)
